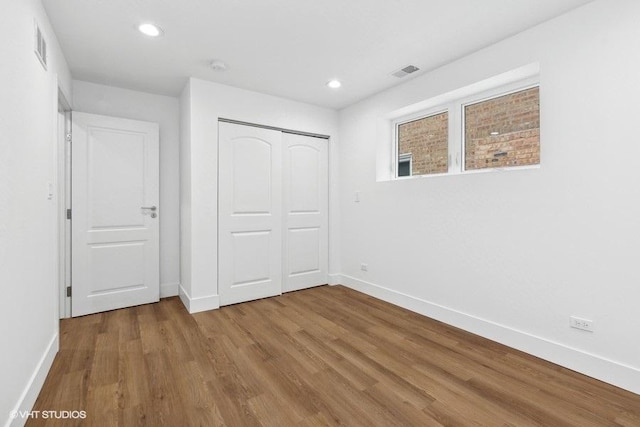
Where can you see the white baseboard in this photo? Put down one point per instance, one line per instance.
(33, 387)
(169, 289)
(335, 279)
(196, 305)
(612, 372)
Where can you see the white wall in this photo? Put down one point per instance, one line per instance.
(202, 104)
(28, 257)
(511, 255)
(185, 190)
(164, 110)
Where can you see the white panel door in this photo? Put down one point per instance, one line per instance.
(115, 195)
(306, 186)
(249, 213)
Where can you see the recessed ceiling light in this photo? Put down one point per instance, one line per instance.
(150, 30)
(334, 84)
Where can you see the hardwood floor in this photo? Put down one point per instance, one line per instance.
(323, 356)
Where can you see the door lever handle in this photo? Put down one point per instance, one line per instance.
(151, 208)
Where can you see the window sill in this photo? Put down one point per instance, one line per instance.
(469, 172)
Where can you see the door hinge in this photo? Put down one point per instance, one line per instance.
(68, 213)
(68, 291)
(68, 137)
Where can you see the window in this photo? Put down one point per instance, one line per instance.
(503, 131)
(471, 129)
(425, 143)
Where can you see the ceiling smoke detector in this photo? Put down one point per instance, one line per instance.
(405, 71)
(218, 65)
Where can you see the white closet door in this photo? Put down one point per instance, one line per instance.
(306, 244)
(115, 194)
(249, 213)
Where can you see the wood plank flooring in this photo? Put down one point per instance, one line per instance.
(323, 356)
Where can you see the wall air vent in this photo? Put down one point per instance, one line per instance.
(40, 47)
(405, 71)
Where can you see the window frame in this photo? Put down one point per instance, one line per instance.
(423, 114)
(488, 96)
(455, 109)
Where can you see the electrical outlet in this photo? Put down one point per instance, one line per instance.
(364, 267)
(579, 323)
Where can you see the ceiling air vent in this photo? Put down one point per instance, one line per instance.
(40, 47)
(405, 71)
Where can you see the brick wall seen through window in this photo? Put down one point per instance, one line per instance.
(503, 131)
(427, 141)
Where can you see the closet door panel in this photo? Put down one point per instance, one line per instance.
(306, 244)
(249, 213)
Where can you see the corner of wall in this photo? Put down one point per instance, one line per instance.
(196, 305)
(334, 208)
(168, 290)
(185, 190)
(335, 279)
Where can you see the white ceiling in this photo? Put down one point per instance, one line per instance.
(288, 48)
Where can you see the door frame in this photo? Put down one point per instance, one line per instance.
(147, 233)
(63, 193)
(62, 155)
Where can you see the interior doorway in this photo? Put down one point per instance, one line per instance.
(109, 231)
